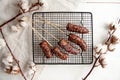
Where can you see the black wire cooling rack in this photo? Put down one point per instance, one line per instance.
(62, 18)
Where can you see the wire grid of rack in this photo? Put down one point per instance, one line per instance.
(62, 18)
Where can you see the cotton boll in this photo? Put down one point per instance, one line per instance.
(102, 56)
(104, 64)
(45, 3)
(15, 70)
(31, 63)
(8, 69)
(30, 72)
(8, 60)
(2, 43)
(114, 39)
(14, 28)
(101, 48)
(5, 62)
(104, 48)
(98, 47)
(102, 61)
(25, 18)
(32, 66)
(117, 33)
(18, 26)
(25, 5)
(8, 63)
(24, 24)
(114, 26)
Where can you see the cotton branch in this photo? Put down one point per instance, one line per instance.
(100, 50)
(12, 54)
(37, 4)
(33, 75)
(96, 59)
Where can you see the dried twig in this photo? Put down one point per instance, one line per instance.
(94, 65)
(20, 13)
(33, 75)
(108, 42)
(21, 9)
(12, 54)
(10, 20)
(38, 3)
(110, 35)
